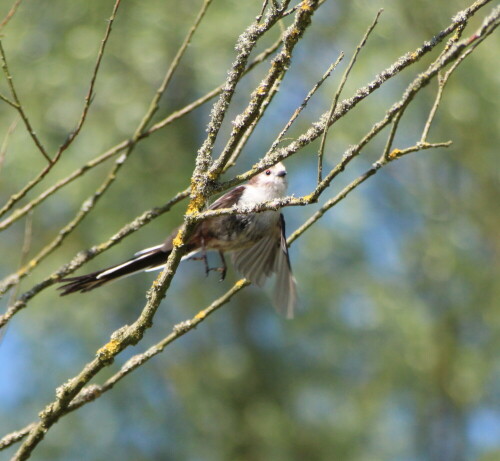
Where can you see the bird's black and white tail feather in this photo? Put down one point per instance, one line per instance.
(154, 257)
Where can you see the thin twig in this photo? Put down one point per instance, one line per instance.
(171, 70)
(19, 195)
(342, 83)
(90, 94)
(28, 228)
(16, 436)
(392, 133)
(10, 14)
(442, 81)
(16, 103)
(263, 8)
(28, 231)
(5, 142)
(305, 101)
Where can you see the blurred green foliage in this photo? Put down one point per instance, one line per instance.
(394, 355)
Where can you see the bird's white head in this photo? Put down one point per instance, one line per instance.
(272, 181)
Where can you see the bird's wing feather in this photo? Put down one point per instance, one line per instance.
(257, 262)
(270, 255)
(228, 199)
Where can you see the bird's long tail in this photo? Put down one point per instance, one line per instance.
(147, 259)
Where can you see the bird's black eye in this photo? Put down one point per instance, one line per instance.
(268, 172)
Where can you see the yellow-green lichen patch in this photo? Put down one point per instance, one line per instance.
(394, 154)
(200, 315)
(109, 350)
(178, 240)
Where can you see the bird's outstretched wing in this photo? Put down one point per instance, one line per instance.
(267, 257)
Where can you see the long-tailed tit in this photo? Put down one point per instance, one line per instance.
(256, 242)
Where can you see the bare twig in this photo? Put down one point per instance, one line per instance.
(343, 81)
(5, 142)
(392, 133)
(15, 436)
(28, 231)
(16, 103)
(171, 70)
(90, 94)
(443, 80)
(263, 8)
(28, 228)
(88, 99)
(304, 103)
(10, 14)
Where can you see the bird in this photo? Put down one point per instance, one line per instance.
(255, 241)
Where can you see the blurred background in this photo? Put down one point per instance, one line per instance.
(394, 354)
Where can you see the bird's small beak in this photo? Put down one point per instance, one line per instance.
(281, 173)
